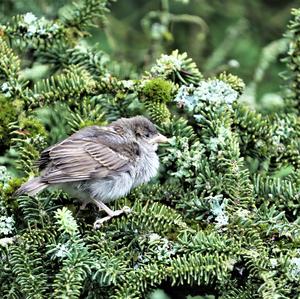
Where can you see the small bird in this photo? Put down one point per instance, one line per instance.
(99, 164)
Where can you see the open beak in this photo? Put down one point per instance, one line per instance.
(159, 138)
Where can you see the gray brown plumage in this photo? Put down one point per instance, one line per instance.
(99, 164)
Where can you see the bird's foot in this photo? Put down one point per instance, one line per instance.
(98, 223)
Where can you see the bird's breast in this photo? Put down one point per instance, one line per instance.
(146, 168)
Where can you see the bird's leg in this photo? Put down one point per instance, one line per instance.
(109, 212)
(83, 205)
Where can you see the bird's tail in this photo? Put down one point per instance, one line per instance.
(32, 187)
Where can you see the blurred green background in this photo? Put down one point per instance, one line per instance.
(243, 37)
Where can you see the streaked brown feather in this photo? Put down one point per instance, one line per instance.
(78, 158)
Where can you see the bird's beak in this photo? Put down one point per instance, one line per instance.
(159, 138)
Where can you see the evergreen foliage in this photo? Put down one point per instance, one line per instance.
(292, 59)
(222, 217)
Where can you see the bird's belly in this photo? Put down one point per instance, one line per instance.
(111, 188)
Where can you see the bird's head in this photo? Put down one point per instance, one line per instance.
(143, 130)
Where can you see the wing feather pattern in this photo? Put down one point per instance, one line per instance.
(77, 158)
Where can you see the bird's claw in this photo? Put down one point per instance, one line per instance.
(125, 210)
(98, 223)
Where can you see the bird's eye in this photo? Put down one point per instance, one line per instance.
(147, 134)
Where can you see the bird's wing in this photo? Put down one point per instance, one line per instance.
(82, 158)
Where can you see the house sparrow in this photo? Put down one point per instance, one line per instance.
(100, 164)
